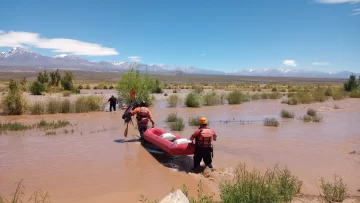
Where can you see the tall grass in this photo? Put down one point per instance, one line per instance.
(171, 117)
(87, 104)
(173, 100)
(37, 108)
(194, 121)
(312, 116)
(53, 124)
(276, 185)
(355, 94)
(14, 126)
(333, 192)
(273, 95)
(53, 106)
(174, 122)
(37, 197)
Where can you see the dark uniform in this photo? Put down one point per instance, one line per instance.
(113, 101)
(203, 144)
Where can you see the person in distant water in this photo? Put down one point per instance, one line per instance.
(113, 101)
(143, 115)
(203, 144)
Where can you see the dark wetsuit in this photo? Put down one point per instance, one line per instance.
(113, 102)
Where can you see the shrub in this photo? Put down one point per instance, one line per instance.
(37, 88)
(351, 84)
(252, 187)
(177, 125)
(271, 122)
(274, 89)
(87, 103)
(14, 126)
(142, 85)
(37, 108)
(193, 100)
(53, 106)
(236, 97)
(67, 80)
(80, 87)
(212, 99)
(287, 114)
(333, 192)
(171, 117)
(66, 93)
(173, 100)
(355, 94)
(14, 103)
(194, 121)
(66, 106)
(311, 112)
(338, 95)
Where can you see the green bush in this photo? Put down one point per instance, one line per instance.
(271, 122)
(142, 85)
(311, 112)
(173, 100)
(67, 80)
(355, 94)
(171, 117)
(14, 103)
(194, 121)
(37, 88)
(212, 99)
(177, 125)
(287, 114)
(193, 100)
(237, 97)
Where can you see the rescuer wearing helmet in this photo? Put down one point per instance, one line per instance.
(143, 115)
(203, 144)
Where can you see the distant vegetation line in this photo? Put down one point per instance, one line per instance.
(91, 76)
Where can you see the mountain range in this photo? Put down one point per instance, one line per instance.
(22, 58)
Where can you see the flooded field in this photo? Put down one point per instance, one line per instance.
(88, 164)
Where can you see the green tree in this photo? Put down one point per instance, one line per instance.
(142, 84)
(67, 80)
(37, 88)
(43, 77)
(55, 78)
(351, 84)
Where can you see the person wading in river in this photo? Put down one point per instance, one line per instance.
(203, 144)
(113, 101)
(143, 115)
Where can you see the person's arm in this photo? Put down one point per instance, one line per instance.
(195, 134)
(214, 136)
(151, 118)
(135, 111)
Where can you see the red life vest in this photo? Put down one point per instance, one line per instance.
(205, 138)
(143, 115)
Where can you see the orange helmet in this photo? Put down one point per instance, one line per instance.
(203, 121)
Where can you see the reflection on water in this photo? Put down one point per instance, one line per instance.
(94, 164)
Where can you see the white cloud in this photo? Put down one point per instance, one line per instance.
(135, 58)
(290, 63)
(202, 54)
(320, 63)
(63, 45)
(356, 11)
(337, 1)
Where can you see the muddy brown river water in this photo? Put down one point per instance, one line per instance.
(89, 165)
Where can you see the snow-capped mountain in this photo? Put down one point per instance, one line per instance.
(22, 58)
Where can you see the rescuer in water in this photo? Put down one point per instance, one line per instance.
(203, 144)
(143, 114)
(113, 101)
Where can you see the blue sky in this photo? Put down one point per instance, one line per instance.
(212, 34)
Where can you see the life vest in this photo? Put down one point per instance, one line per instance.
(142, 116)
(205, 138)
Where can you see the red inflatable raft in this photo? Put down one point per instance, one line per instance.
(153, 135)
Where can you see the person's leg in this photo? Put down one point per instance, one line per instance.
(197, 158)
(110, 107)
(113, 107)
(142, 128)
(207, 158)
